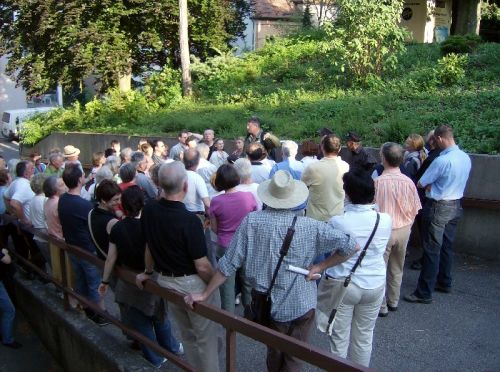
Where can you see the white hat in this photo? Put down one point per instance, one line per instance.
(71, 150)
(282, 191)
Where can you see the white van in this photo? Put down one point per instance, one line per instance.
(12, 120)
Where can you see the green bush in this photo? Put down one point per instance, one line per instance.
(451, 68)
(163, 89)
(293, 85)
(460, 44)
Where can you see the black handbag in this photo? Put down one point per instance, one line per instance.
(259, 310)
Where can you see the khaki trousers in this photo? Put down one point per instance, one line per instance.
(199, 335)
(352, 332)
(394, 257)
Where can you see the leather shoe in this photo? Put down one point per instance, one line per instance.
(414, 299)
(382, 315)
(392, 308)
(442, 289)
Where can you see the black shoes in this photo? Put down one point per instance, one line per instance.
(442, 289)
(414, 299)
(392, 308)
(13, 345)
(96, 318)
(382, 315)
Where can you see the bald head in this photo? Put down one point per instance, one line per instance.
(172, 178)
(191, 159)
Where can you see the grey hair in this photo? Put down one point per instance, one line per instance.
(54, 156)
(137, 157)
(125, 153)
(244, 169)
(37, 183)
(50, 186)
(127, 172)
(104, 173)
(203, 149)
(113, 163)
(289, 149)
(392, 153)
(172, 177)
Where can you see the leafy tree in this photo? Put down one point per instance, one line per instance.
(51, 41)
(366, 37)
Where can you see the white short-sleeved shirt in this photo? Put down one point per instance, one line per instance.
(206, 170)
(197, 190)
(260, 173)
(358, 222)
(20, 190)
(37, 215)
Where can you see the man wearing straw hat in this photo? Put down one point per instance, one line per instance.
(256, 247)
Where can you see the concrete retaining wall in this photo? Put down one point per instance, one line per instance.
(478, 232)
(76, 343)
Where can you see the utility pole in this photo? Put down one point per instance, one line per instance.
(184, 47)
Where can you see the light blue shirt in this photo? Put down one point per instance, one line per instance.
(447, 175)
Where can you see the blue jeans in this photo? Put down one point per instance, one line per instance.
(87, 278)
(156, 331)
(439, 227)
(7, 315)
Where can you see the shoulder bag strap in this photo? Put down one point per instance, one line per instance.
(363, 252)
(348, 278)
(283, 252)
(92, 234)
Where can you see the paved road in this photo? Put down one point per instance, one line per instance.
(9, 150)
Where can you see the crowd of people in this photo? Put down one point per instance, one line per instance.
(210, 224)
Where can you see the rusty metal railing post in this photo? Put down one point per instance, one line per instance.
(64, 277)
(230, 350)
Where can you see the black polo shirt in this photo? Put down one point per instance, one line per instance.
(130, 243)
(174, 235)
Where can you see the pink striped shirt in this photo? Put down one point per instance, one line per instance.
(397, 196)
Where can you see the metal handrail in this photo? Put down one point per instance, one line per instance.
(231, 322)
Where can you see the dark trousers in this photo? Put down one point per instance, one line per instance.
(439, 225)
(299, 328)
(26, 247)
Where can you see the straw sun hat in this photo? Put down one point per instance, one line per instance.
(282, 191)
(71, 150)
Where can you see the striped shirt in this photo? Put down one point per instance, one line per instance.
(256, 245)
(397, 196)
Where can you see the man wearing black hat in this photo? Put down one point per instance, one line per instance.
(355, 155)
